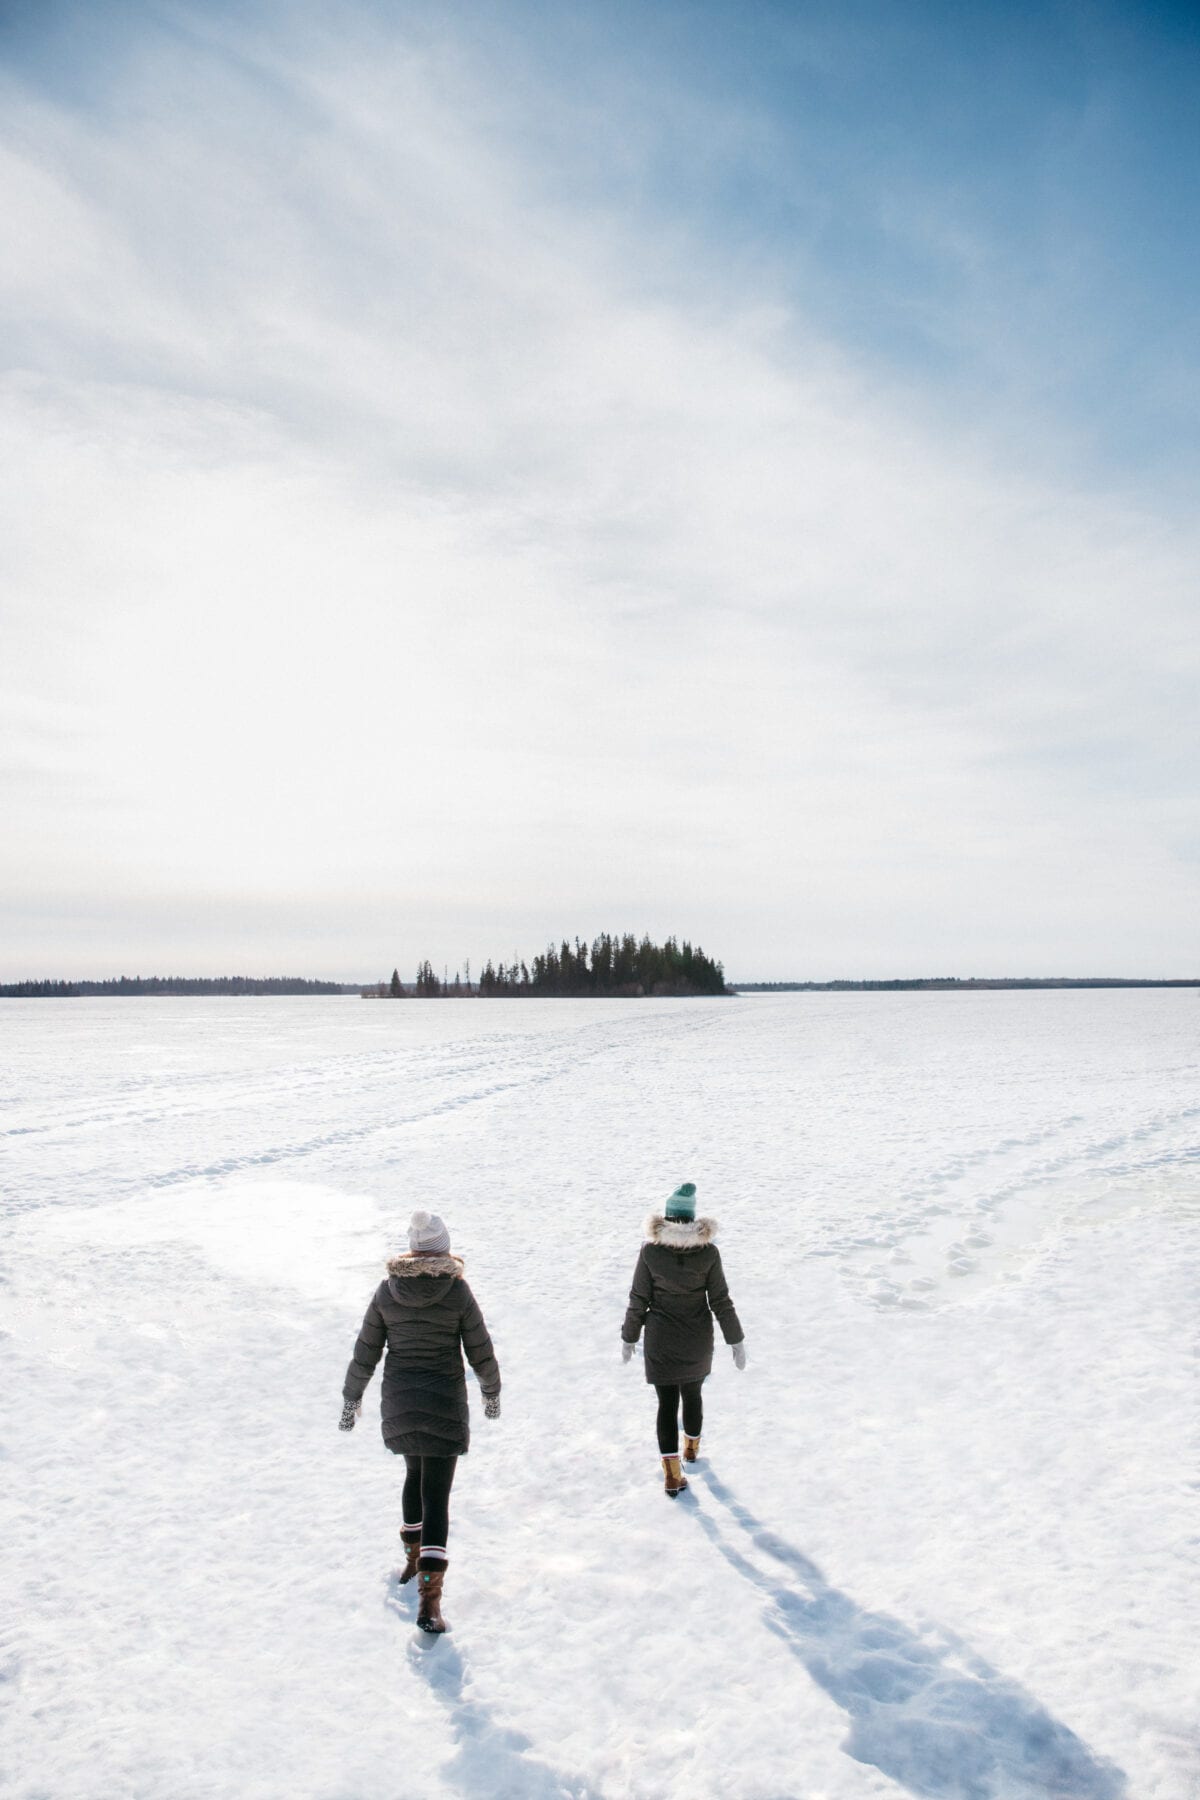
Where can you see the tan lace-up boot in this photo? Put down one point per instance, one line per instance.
(674, 1479)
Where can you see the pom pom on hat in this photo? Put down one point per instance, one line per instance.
(427, 1235)
(682, 1204)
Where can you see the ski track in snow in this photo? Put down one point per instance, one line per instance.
(979, 1218)
(942, 1540)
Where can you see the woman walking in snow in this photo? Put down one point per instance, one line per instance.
(678, 1285)
(426, 1315)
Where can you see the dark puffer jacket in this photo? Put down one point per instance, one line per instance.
(423, 1313)
(678, 1285)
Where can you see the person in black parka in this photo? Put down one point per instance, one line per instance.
(678, 1285)
(426, 1316)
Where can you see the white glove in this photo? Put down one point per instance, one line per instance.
(627, 1352)
(739, 1354)
(491, 1406)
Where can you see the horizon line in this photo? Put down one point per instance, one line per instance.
(772, 982)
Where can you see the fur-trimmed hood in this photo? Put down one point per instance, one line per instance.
(409, 1264)
(440, 1272)
(679, 1234)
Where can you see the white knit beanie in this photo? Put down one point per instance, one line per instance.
(427, 1235)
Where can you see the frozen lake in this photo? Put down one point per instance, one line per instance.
(944, 1540)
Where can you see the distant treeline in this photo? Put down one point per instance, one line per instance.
(611, 967)
(172, 984)
(950, 983)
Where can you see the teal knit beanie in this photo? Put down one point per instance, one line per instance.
(682, 1204)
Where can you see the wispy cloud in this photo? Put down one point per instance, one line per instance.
(425, 545)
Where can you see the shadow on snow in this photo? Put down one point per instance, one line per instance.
(490, 1759)
(925, 1710)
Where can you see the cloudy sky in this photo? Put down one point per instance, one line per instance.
(480, 473)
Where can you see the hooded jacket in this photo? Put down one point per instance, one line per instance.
(678, 1285)
(426, 1316)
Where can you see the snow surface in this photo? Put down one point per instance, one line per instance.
(943, 1539)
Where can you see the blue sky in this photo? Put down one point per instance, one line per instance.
(971, 196)
(762, 441)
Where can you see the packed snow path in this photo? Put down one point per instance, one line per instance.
(942, 1541)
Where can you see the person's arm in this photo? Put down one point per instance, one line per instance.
(719, 1299)
(640, 1296)
(478, 1346)
(367, 1351)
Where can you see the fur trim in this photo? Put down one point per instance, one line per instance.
(679, 1234)
(408, 1264)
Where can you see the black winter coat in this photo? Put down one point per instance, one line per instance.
(423, 1313)
(678, 1285)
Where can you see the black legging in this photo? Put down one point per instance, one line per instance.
(668, 1413)
(426, 1499)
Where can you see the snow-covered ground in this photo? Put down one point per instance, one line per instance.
(943, 1541)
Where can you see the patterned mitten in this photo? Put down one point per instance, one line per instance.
(350, 1411)
(739, 1354)
(491, 1406)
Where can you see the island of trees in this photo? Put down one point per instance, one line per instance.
(610, 967)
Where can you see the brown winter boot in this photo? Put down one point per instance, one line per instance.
(674, 1479)
(429, 1606)
(691, 1449)
(410, 1537)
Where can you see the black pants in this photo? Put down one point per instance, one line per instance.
(668, 1413)
(426, 1500)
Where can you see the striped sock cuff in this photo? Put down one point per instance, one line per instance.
(435, 1550)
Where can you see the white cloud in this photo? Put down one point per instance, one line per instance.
(418, 559)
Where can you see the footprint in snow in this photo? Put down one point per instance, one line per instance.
(400, 1600)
